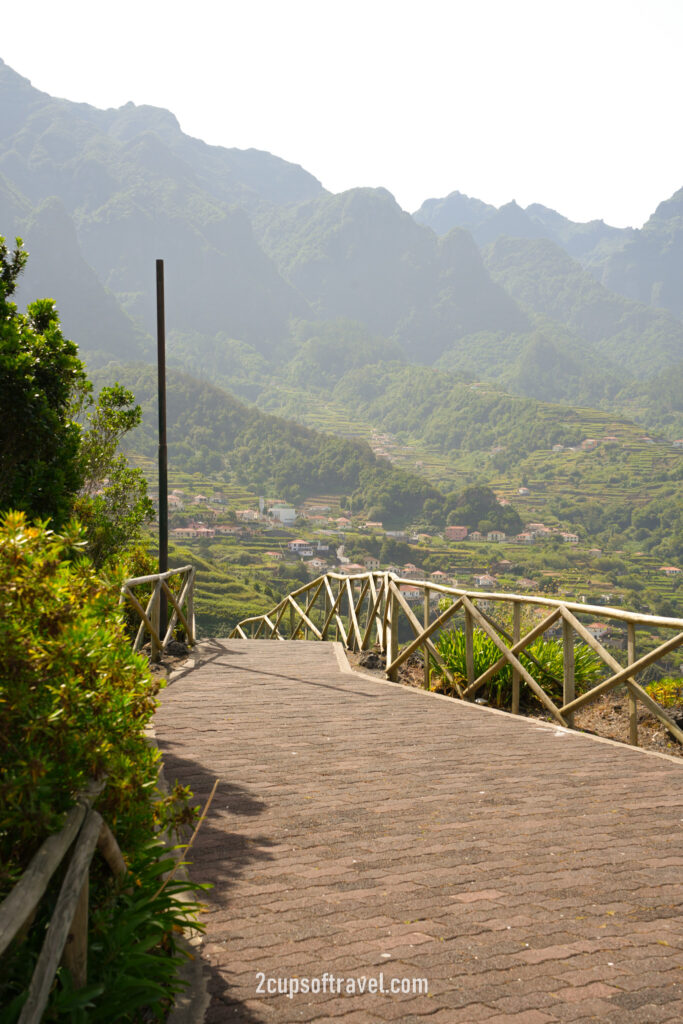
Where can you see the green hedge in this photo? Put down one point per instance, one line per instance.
(74, 704)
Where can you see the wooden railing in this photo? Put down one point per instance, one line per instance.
(181, 601)
(365, 609)
(66, 939)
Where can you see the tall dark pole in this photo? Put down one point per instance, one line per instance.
(163, 451)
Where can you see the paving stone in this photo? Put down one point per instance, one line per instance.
(532, 876)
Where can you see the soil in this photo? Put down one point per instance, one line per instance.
(172, 658)
(607, 717)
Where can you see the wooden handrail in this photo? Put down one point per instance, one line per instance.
(150, 614)
(381, 600)
(66, 938)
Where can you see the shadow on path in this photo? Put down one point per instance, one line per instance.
(225, 854)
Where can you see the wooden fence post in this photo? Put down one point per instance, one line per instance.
(425, 649)
(568, 678)
(75, 955)
(392, 637)
(192, 626)
(632, 703)
(469, 647)
(155, 619)
(516, 636)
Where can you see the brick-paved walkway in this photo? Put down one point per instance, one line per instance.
(530, 874)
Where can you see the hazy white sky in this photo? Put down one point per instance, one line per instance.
(572, 103)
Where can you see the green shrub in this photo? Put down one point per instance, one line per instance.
(74, 698)
(548, 672)
(74, 703)
(667, 692)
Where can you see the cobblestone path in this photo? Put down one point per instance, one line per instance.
(375, 835)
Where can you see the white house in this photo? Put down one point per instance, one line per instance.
(284, 514)
(485, 580)
(300, 547)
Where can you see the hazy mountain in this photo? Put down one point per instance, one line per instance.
(643, 264)
(358, 255)
(543, 278)
(269, 276)
(586, 242)
(648, 267)
(56, 269)
(137, 189)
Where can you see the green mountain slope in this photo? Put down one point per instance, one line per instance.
(358, 255)
(211, 432)
(127, 180)
(543, 278)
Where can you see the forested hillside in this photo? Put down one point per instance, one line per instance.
(478, 338)
(211, 433)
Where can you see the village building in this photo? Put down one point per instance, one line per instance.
(669, 570)
(300, 547)
(284, 514)
(524, 583)
(485, 580)
(184, 532)
(570, 538)
(598, 630)
(475, 536)
(319, 564)
(455, 532)
(247, 515)
(495, 535)
(204, 532)
(371, 563)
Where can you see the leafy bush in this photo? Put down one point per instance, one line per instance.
(74, 703)
(74, 699)
(547, 668)
(667, 692)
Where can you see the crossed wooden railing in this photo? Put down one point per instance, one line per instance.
(66, 939)
(150, 613)
(365, 609)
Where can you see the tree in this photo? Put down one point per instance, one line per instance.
(52, 466)
(113, 502)
(42, 382)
